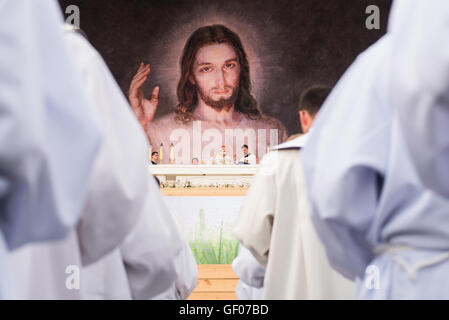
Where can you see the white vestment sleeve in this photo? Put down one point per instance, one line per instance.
(255, 222)
(246, 292)
(133, 270)
(420, 85)
(248, 269)
(186, 276)
(49, 132)
(149, 252)
(251, 276)
(118, 186)
(344, 164)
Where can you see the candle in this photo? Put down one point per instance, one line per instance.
(268, 148)
(161, 153)
(150, 151)
(172, 154)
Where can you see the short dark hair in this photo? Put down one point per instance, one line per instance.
(313, 98)
(154, 152)
(245, 146)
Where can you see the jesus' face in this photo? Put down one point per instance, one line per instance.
(216, 73)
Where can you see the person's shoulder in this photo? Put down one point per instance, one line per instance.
(83, 51)
(297, 143)
(277, 162)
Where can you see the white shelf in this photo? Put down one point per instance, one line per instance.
(203, 170)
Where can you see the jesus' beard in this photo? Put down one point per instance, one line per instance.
(220, 104)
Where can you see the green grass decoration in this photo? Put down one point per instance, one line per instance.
(220, 242)
(207, 248)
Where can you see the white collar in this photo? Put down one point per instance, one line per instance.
(296, 143)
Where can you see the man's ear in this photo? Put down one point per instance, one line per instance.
(192, 79)
(302, 119)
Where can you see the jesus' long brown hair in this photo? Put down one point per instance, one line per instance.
(187, 95)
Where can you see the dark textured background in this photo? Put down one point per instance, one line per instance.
(290, 44)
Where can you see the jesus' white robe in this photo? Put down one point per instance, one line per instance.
(121, 192)
(49, 131)
(274, 225)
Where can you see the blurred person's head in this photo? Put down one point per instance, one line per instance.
(155, 156)
(223, 151)
(310, 103)
(195, 161)
(245, 149)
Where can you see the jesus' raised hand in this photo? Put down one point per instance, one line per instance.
(144, 109)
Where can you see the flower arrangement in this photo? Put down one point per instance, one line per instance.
(188, 184)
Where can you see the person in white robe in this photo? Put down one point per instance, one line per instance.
(421, 97)
(144, 262)
(121, 192)
(274, 225)
(221, 157)
(248, 158)
(379, 223)
(50, 134)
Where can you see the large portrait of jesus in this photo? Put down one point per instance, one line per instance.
(205, 74)
(215, 103)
